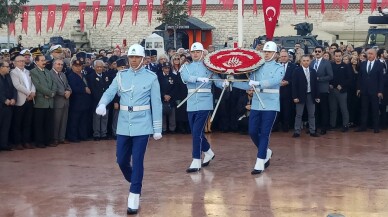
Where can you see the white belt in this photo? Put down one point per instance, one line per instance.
(200, 90)
(268, 90)
(134, 108)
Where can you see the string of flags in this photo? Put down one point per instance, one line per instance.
(271, 11)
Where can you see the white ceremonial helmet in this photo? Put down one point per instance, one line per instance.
(270, 46)
(136, 50)
(196, 46)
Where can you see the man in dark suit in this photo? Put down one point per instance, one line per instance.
(61, 102)
(8, 96)
(286, 104)
(99, 82)
(324, 76)
(383, 56)
(370, 88)
(79, 103)
(305, 92)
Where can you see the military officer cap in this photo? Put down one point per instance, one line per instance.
(147, 53)
(14, 52)
(88, 56)
(56, 49)
(77, 62)
(25, 52)
(166, 65)
(81, 56)
(35, 52)
(154, 52)
(113, 59)
(121, 62)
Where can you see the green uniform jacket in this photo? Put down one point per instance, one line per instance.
(45, 88)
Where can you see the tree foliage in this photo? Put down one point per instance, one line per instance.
(10, 10)
(173, 12)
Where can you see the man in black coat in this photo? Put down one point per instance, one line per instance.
(383, 56)
(99, 82)
(286, 103)
(80, 100)
(305, 92)
(370, 88)
(8, 96)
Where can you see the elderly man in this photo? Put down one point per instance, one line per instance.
(56, 52)
(44, 102)
(8, 96)
(99, 83)
(61, 102)
(79, 103)
(21, 127)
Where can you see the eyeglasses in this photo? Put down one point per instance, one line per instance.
(318, 51)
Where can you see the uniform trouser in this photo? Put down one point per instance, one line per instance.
(311, 114)
(60, 123)
(335, 98)
(323, 110)
(43, 125)
(77, 125)
(260, 127)
(114, 121)
(22, 123)
(132, 147)
(100, 124)
(373, 100)
(383, 114)
(197, 121)
(171, 120)
(5, 124)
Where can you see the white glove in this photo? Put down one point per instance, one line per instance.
(253, 83)
(157, 136)
(202, 79)
(101, 110)
(225, 84)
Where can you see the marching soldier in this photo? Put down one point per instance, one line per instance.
(199, 104)
(266, 80)
(140, 115)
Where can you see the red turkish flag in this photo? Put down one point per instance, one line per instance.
(25, 18)
(228, 4)
(51, 17)
(96, 9)
(203, 7)
(65, 9)
(336, 3)
(150, 7)
(345, 4)
(243, 3)
(38, 18)
(384, 4)
(189, 6)
(323, 8)
(294, 6)
(306, 8)
(361, 6)
(123, 4)
(255, 7)
(110, 6)
(271, 11)
(82, 8)
(135, 10)
(11, 28)
(373, 5)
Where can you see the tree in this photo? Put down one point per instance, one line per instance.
(9, 12)
(173, 13)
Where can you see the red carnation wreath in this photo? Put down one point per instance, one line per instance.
(234, 61)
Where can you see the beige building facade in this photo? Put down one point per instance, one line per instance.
(347, 26)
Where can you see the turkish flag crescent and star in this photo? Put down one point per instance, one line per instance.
(82, 8)
(135, 10)
(65, 9)
(51, 17)
(109, 10)
(38, 18)
(25, 18)
(123, 4)
(96, 9)
(271, 11)
(150, 7)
